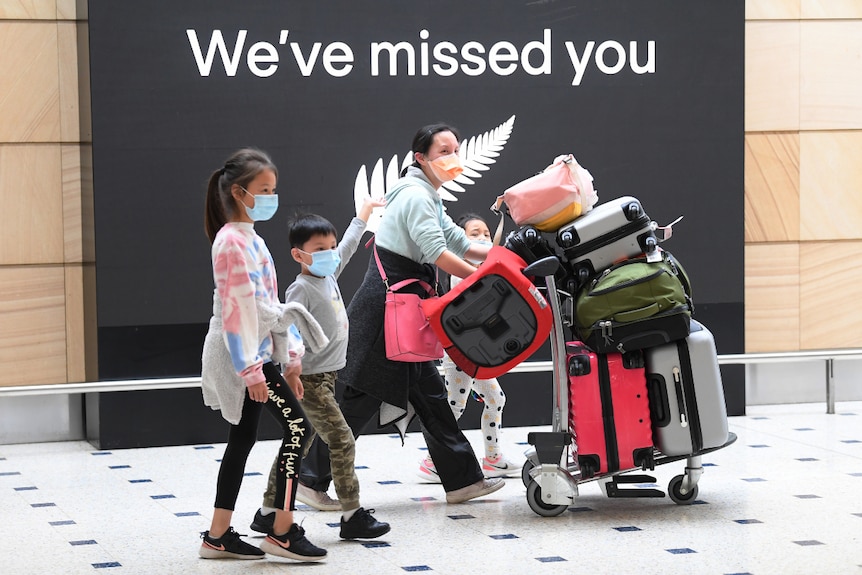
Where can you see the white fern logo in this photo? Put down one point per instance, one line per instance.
(476, 154)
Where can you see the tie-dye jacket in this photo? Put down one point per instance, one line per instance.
(244, 276)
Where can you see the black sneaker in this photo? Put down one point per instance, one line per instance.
(228, 546)
(293, 545)
(262, 523)
(363, 525)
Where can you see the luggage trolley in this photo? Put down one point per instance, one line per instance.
(551, 472)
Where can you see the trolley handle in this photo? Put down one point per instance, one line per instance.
(544, 267)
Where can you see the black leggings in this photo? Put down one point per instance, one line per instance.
(285, 408)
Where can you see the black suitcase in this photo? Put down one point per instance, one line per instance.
(531, 245)
(528, 243)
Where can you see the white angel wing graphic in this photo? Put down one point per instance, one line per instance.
(477, 154)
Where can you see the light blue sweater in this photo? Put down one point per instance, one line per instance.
(414, 224)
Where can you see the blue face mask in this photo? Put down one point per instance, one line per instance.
(323, 263)
(265, 206)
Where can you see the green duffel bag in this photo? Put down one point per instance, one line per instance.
(635, 304)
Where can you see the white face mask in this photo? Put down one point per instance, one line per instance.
(481, 242)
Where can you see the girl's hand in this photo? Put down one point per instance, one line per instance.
(259, 392)
(368, 205)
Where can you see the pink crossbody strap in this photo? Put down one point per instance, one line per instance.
(424, 285)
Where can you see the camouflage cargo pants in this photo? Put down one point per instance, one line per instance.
(326, 418)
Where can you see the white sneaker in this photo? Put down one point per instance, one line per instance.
(499, 467)
(478, 489)
(427, 472)
(320, 500)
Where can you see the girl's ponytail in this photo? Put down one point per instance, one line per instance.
(214, 217)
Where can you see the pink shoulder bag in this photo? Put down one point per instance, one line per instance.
(409, 336)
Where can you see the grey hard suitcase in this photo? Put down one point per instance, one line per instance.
(613, 231)
(686, 395)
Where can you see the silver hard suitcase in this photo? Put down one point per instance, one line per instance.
(613, 231)
(686, 394)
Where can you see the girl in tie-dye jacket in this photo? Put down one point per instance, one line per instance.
(250, 332)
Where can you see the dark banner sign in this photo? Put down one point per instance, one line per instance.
(647, 94)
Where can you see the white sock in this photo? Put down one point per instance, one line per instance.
(267, 510)
(346, 515)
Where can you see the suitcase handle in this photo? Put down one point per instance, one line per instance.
(658, 402)
(680, 397)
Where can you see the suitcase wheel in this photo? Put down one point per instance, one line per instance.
(633, 359)
(589, 465)
(583, 275)
(579, 365)
(650, 244)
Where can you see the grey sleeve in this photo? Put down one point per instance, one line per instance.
(349, 243)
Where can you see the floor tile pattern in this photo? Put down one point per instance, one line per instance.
(786, 498)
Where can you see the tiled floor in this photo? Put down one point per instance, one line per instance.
(785, 498)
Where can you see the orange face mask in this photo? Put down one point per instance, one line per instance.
(446, 168)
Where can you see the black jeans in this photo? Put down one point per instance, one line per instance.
(453, 455)
(285, 408)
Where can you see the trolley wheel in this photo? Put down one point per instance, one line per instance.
(676, 495)
(525, 472)
(534, 499)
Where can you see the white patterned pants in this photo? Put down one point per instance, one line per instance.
(459, 385)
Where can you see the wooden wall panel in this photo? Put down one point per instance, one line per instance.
(772, 297)
(80, 293)
(78, 219)
(74, 306)
(771, 76)
(831, 75)
(33, 330)
(29, 91)
(772, 9)
(28, 9)
(84, 100)
(830, 292)
(771, 187)
(32, 224)
(70, 116)
(67, 9)
(830, 185)
(813, 9)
